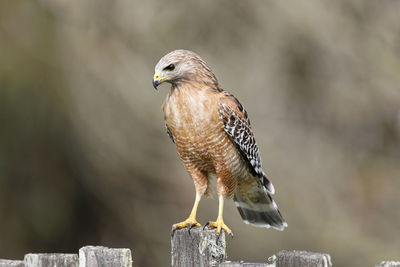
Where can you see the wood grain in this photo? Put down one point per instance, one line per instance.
(200, 248)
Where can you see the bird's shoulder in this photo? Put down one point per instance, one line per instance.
(228, 101)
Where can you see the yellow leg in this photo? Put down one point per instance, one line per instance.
(191, 221)
(219, 223)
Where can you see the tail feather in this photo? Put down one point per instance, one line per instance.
(260, 211)
(269, 187)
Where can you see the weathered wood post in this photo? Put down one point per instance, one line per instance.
(288, 259)
(199, 248)
(298, 258)
(11, 263)
(244, 264)
(91, 256)
(388, 264)
(54, 259)
(203, 248)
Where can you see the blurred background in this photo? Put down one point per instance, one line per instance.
(85, 159)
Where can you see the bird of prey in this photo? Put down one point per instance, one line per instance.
(212, 133)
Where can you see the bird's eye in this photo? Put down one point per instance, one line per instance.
(170, 67)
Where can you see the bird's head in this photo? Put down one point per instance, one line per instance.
(178, 66)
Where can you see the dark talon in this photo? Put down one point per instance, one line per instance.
(188, 227)
(217, 238)
(231, 233)
(172, 231)
(207, 223)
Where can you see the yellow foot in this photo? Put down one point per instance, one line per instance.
(219, 224)
(188, 223)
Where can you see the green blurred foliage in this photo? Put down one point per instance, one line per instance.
(84, 157)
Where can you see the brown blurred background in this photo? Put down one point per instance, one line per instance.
(84, 157)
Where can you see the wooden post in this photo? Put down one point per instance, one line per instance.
(200, 248)
(91, 256)
(11, 263)
(388, 264)
(50, 260)
(244, 264)
(297, 258)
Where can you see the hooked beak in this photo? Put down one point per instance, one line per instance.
(157, 80)
(156, 83)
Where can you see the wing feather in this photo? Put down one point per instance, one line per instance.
(170, 134)
(237, 126)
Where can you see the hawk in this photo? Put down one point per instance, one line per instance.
(212, 133)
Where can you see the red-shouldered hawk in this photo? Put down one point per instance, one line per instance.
(212, 134)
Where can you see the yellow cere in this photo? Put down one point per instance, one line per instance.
(157, 77)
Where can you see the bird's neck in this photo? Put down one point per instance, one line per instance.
(190, 105)
(200, 83)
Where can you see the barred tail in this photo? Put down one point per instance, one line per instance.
(260, 211)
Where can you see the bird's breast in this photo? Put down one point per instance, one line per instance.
(190, 112)
(192, 117)
(199, 135)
